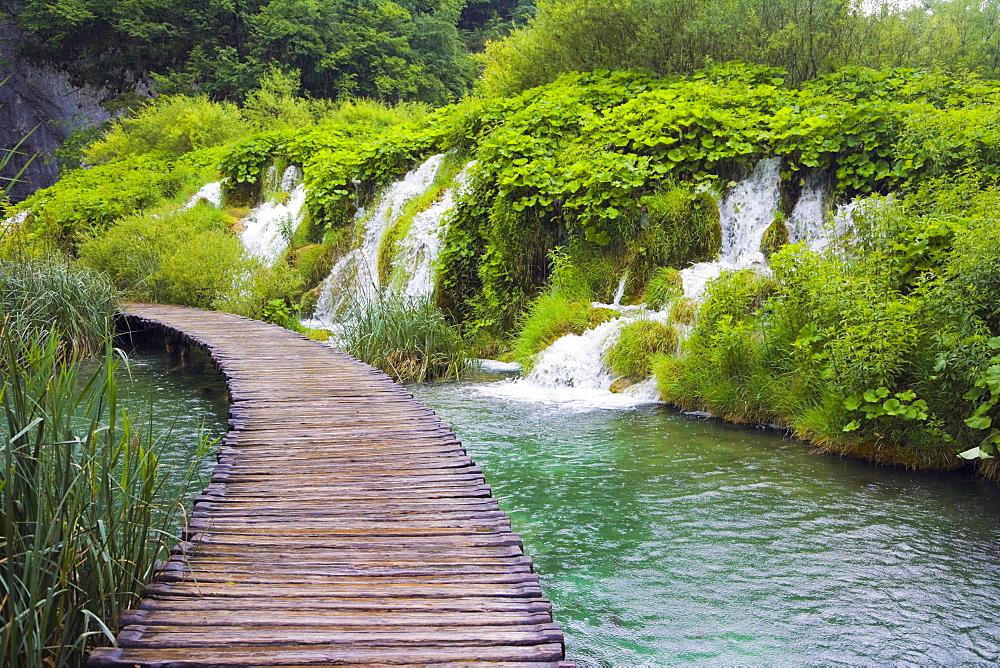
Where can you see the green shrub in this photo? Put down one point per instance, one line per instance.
(170, 126)
(637, 344)
(87, 201)
(663, 288)
(407, 338)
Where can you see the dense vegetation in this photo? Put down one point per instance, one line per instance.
(406, 50)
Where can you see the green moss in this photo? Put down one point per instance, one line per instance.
(664, 287)
(637, 343)
(314, 263)
(775, 236)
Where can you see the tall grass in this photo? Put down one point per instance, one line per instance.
(39, 295)
(406, 337)
(82, 504)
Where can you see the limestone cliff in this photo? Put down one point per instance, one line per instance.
(40, 101)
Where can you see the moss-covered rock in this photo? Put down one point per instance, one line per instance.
(775, 236)
(314, 263)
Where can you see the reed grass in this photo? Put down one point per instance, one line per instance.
(83, 505)
(407, 338)
(38, 295)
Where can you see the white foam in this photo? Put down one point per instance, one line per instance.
(210, 192)
(269, 226)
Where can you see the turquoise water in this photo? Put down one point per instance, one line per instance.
(183, 401)
(664, 538)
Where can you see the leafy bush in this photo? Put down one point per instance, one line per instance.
(170, 126)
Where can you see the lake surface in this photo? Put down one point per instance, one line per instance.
(664, 538)
(184, 401)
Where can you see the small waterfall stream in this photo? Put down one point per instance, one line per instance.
(355, 276)
(269, 225)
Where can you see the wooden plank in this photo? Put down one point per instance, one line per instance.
(344, 524)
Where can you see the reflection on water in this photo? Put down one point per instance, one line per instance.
(664, 538)
(183, 399)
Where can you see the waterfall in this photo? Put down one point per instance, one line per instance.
(571, 371)
(355, 276)
(269, 226)
(620, 292)
(210, 192)
(420, 248)
(745, 213)
(806, 222)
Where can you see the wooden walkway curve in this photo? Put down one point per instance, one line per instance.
(344, 524)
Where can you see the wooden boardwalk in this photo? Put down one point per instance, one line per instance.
(344, 524)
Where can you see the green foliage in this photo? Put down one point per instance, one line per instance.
(83, 506)
(683, 311)
(42, 295)
(637, 344)
(407, 338)
(187, 257)
(314, 263)
(808, 39)
(374, 48)
(170, 126)
(87, 201)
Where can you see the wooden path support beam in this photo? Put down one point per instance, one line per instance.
(344, 524)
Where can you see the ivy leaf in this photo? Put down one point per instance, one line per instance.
(853, 402)
(852, 426)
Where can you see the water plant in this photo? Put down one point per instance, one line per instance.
(82, 504)
(406, 337)
(39, 294)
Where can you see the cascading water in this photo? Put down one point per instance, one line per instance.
(210, 192)
(269, 226)
(421, 247)
(571, 371)
(355, 276)
(805, 225)
(745, 213)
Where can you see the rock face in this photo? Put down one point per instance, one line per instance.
(43, 99)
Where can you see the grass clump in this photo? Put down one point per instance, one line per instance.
(664, 287)
(407, 338)
(37, 295)
(683, 311)
(638, 342)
